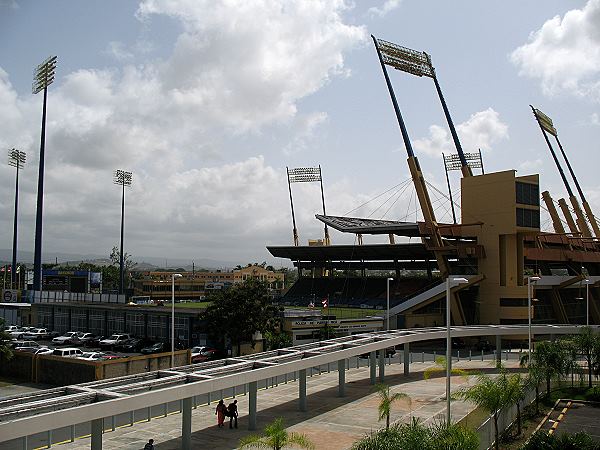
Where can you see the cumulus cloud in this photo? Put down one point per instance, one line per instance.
(381, 11)
(166, 120)
(530, 165)
(118, 50)
(595, 119)
(564, 54)
(480, 131)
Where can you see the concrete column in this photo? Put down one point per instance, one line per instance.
(342, 377)
(186, 424)
(382, 365)
(96, 440)
(373, 367)
(498, 348)
(302, 389)
(252, 394)
(406, 359)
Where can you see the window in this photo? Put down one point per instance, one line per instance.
(528, 194)
(529, 218)
(513, 302)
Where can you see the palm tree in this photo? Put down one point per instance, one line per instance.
(386, 399)
(491, 394)
(552, 360)
(586, 343)
(416, 436)
(276, 437)
(516, 394)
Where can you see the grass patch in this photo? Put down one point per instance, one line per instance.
(342, 313)
(191, 305)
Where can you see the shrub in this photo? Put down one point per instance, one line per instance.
(593, 394)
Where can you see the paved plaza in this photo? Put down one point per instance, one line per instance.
(332, 423)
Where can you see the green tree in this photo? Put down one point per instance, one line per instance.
(276, 437)
(552, 360)
(6, 351)
(386, 400)
(416, 436)
(491, 394)
(588, 345)
(565, 441)
(239, 312)
(277, 339)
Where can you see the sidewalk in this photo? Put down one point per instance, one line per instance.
(332, 423)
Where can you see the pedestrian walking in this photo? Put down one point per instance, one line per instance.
(149, 445)
(233, 413)
(220, 411)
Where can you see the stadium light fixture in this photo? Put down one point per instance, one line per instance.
(43, 76)
(419, 64)
(16, 159)
(122, 178)
(306, 175)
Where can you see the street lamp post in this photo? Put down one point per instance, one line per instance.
(529, 280)
(388, 303)
(175, 275)
(16, 159)
(42, 78)
(587, 302)
(449, 284)
(122, 178)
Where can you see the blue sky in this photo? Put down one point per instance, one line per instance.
(208, 102)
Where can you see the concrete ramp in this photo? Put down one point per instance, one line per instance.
(435, 293)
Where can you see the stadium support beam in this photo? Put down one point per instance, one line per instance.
(186, 424)
(382, 365)
(406, 352)
(252, 401)
(556, 222)
(567, 213)
(302, 389)
(96, 435)
(373, 367)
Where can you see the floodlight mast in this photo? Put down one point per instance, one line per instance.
(547, 126)
(419, 64)
(42, 78)
(306, 175)
(415, 170)
(122, 178)
(16, 159)
(586, 206)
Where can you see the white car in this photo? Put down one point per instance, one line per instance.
(113, 340)
(36, 333)
(67, 338)
(67, 352)
(11, 328)
(26, 346)
(92, 356)
(44, 351)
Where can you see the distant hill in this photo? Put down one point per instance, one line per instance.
(143, 262)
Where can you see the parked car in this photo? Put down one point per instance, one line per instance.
(133, 345)
(68, 338)
(84, 338)
(93, 341)
(208, 354)
(111, 355)
(11, 328)
(196, 351)
(91, 356)
(20, 332)
(114, 340)
(44, 351)
(67, 352)
(26, 346)
(156, 348)
(36, 333)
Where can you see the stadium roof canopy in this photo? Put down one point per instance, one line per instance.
(358, 225)
(371, 252)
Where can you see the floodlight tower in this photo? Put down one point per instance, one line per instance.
(419, 64)
(16, 158)
(122, 178)
(306, 175)
(43, 77)
(386, 56)
(547, 126)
